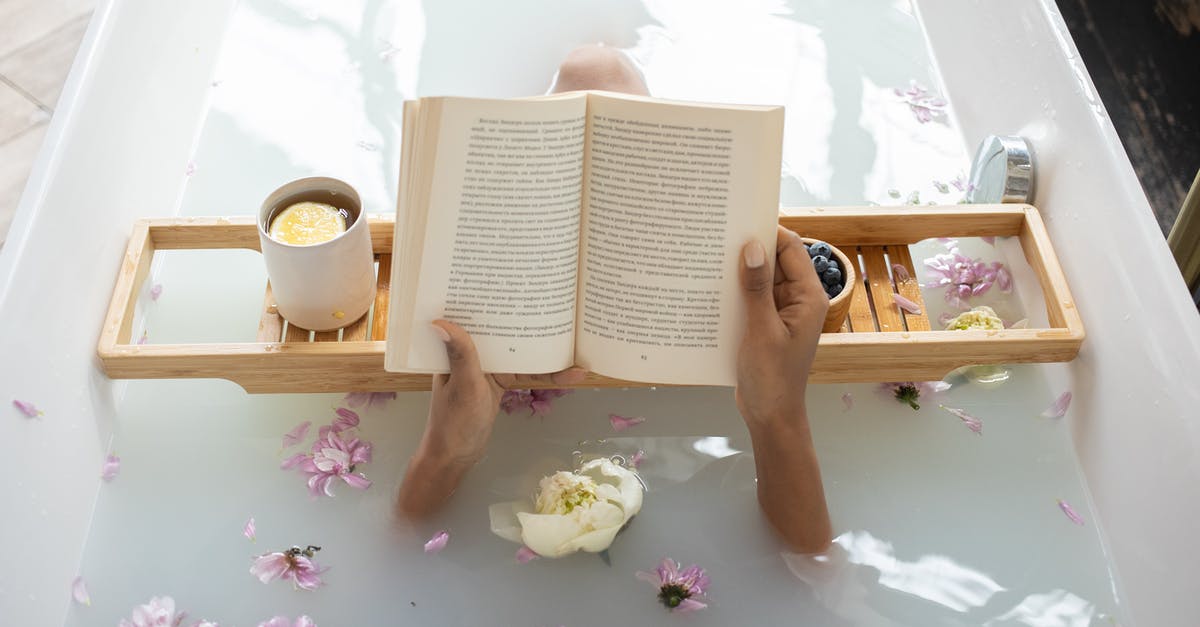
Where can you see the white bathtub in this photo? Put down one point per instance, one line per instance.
(128, 124)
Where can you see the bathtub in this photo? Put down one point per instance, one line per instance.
(131, 120)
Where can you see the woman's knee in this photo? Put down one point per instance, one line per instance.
(599, 67)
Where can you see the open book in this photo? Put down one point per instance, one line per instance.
(589, 228)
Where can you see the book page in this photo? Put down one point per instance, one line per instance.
(498, 184)
(673, 192)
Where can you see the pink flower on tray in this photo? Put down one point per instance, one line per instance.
(525, 555)
(1070, 512)
(971, 422)
(909, 392)
(297, 434)
(679, 590)
(346, 419)
(538, 402)
(368, 400)
(249, 530)
(294, 564)
(159, 612)
(964, 277)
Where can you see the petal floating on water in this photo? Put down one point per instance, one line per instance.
(112, 466)
(1070, 512)
(525, 555)
(28, 409)
(248, 530)
(79, 592)
(437, 542)
(297, 434)
(973, 423)
(621, 423)
(1059, 408)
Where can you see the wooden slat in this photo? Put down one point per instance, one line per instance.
(379, 318)
(327, 336)
(887, 314)
(357, 330)
(878, 226)
(270, 324)
(242, 232)
(910, 289)
(862, 319)
(1060, 305)
(295, 334)
(135, 267)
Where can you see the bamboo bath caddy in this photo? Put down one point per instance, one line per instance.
(878, 341)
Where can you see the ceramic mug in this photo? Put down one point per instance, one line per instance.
(322, 286)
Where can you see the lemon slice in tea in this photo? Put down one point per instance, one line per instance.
(308, 223)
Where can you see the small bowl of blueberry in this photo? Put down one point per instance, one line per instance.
(838, 277)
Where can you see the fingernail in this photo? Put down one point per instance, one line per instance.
(441, 333)
(754, 254)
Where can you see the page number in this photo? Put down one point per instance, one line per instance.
(643, 358)
(512, 349)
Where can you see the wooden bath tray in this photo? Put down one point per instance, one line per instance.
(877, 343)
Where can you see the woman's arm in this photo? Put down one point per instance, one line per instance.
(786, 308)
(462, 409)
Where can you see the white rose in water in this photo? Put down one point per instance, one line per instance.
(573, 511)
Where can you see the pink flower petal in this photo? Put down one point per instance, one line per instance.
(689, 605)
(635, 460)
(990, 239)
(355, 480)
(142, 340)
(155, 291)
(1070, 512)
(190, 169)
(79, 592)
(1004, 279)
(1059, 408)
(297, 434)
(294, 460)
(848, 401)
(112, 466)
(27, 408)
(973, 423)
(249, 530)
(905, 304)
(438, 542)
(347, 419)
(900, 273)
(621, 423)
(525, 555)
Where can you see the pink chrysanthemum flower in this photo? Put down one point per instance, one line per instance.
(681, 590)
(294, 564)
(538, 402)
(159, 612)
(909, 392)
(335, 455)
(964, 277)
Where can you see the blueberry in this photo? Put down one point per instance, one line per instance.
(832, 276)
(833, 290)
(820, 249)
(820, 264)
(833, 263)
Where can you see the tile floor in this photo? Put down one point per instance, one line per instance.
(38, 41)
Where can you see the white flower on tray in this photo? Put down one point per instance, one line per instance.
(573, 511)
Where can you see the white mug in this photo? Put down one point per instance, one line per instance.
(322, 286)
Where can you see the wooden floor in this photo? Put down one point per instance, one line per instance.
(1143, 55)
(38, 41)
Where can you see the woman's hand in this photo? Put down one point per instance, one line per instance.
(785, 310)
(462, 410)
